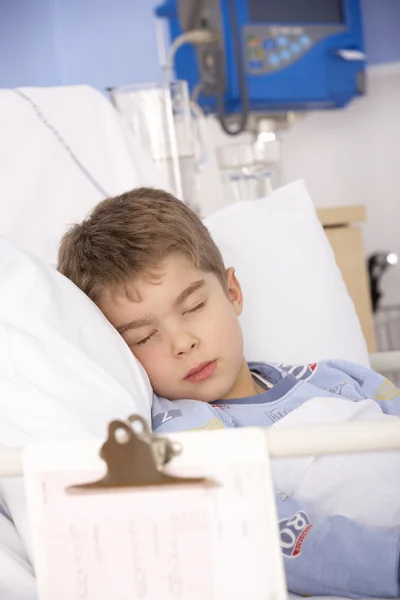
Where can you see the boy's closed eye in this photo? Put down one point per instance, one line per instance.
(193, 309)
(143, 340)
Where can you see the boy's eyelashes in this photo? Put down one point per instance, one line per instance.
(148, 337)
(194, 308)
(145, 339)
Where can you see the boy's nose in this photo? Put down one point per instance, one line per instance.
(183, 344)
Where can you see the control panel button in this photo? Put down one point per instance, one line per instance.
(253, 40)
(255, 65)
(274, 60)
(255, 54)
(305, 40)
(269, 44)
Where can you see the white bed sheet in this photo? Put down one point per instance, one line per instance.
(363, 487)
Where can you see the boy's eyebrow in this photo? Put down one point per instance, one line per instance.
(193, 287)
(133, 325)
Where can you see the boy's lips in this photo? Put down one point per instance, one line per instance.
(201, 372)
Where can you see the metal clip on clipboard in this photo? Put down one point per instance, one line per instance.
(136, 458)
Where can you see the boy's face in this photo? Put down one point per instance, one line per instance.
(184, 330)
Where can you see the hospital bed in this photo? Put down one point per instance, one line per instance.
(49, 324)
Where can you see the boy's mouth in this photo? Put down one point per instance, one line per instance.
(201, 372)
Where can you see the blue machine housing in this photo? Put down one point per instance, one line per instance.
(290, 64)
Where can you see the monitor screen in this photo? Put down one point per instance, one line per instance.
(296, 11)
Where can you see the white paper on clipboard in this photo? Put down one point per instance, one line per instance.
(183, 542)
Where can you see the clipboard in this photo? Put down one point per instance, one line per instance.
(136, 459)
(188, 516)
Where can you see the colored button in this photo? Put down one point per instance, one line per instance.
(285, 54)
(255, 65)
(281, 41)
(253, 40)
(296, 48)
(269, 44)
(305, 40)
(274, 60)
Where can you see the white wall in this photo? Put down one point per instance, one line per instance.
(353, 157)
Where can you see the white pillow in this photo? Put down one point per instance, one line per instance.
(62, 150)
(296, 305)
(65, 372)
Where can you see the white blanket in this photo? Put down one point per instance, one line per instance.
(364, 486)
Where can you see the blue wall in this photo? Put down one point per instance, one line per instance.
(98, 42)
(382, 30)
(27, 44)
(105, 42)
(109, 42)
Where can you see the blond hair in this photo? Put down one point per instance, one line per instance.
(129, 235)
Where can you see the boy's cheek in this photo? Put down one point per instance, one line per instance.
(150, 358)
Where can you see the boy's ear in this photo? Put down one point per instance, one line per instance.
(234, 290)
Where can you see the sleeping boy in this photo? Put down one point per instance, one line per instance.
(152, 268)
